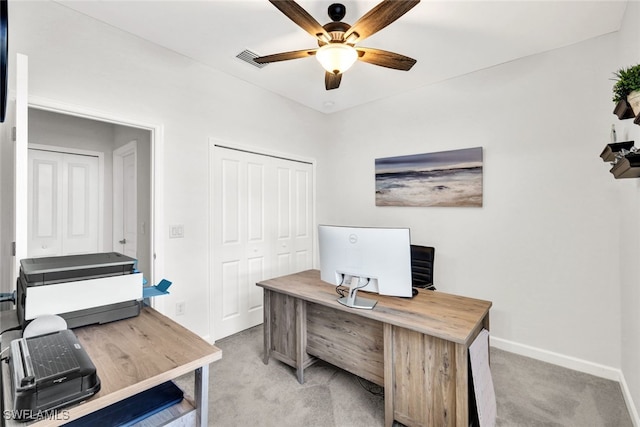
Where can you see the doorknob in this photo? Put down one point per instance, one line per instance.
(123, 241)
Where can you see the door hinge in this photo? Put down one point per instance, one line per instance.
(14, 134)
(13, 247)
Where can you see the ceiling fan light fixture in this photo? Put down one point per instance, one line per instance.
(336, 58)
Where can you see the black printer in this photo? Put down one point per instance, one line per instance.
(49, 372)
(83, 289)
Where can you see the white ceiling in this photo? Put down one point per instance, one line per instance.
(448, 39)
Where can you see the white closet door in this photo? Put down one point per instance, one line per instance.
(62, 204)
(261, 227)
(293, 238)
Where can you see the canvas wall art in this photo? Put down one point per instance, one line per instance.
(445, 178)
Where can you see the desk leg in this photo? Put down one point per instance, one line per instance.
(301, 337)
(388, 375)
(462, 385)
(201, 391)
(266, 326)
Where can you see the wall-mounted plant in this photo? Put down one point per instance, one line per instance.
(627, 87)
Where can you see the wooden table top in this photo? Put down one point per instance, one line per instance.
(135, 354)
(450, 317)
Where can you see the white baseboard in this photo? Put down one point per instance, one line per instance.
(557, 359)
(574, 363)
(633, 412)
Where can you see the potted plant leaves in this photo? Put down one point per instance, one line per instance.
(626, 91)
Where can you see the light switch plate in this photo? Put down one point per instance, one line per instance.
(176, 231)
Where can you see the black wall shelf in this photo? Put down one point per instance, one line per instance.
(627, 166)
(624, 159)
(623, 110)
(610, 151)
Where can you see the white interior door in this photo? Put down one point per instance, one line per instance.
(63, 195)
(293, 221)
(125, 217)
(262, 227)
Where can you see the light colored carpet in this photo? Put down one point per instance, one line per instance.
(243, 391)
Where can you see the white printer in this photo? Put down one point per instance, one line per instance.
(82, 289)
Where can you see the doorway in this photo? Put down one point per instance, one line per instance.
(125, 209)
(14, 158)
(73, 133)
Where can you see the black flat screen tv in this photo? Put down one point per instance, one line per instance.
(4, 55)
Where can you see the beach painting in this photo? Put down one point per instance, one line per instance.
(445, 178)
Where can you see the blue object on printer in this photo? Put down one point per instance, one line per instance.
(157, 290)
(8, 297)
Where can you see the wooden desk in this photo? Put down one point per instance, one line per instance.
(417, 349)
(136, 354)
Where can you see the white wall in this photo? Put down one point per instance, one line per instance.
(545, 245)
(629, 54)
(75, 60)
(552, 247)
(555, 246)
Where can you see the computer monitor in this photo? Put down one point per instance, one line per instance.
(373, 259)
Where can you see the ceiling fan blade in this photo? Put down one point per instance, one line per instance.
(285, 56)
(377, 18)
(332, 81)
(302, 18)
(385, 59)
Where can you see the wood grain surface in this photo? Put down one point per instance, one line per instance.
(415, 347)
(450, 317)
(351, 342)
(133, 355)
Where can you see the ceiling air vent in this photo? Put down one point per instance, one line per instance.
(247, 56)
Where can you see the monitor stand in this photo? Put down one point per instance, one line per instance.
(354, 301)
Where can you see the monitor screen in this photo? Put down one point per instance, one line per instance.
(379, 257)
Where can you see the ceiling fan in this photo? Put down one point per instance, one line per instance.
(337, 40)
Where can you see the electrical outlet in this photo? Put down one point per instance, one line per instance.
(180, 308)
